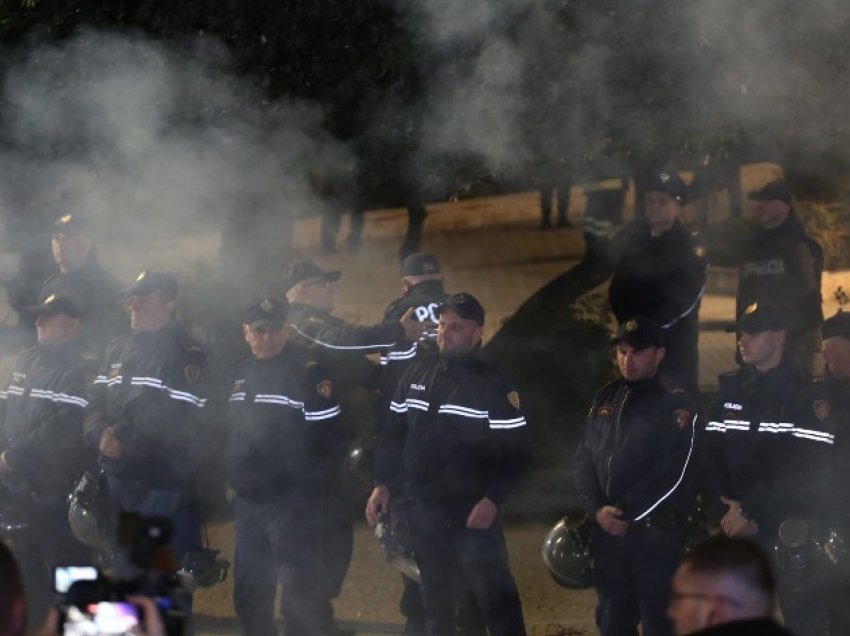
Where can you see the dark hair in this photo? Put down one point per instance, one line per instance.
(11, 593)
(738, 557)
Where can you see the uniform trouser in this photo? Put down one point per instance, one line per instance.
(278, 542)
(337, 542)
(468, 619)
(449, 553)
(633, 575)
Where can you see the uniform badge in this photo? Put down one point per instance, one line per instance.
(605, 411)
(631, 325)
(682, 417)
(751, 309)
(325, 389)
(192, 372)
(66, 218)
(822, 409)
(513, 398)
(699, 251)
(50, 299)
(141, 276)
(664, 177)
(114, 370)
(266, 305)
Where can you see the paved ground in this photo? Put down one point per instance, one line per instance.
(492, 248)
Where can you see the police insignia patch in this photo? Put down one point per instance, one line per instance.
(193, 373)
(822, 409)
(65, 218)
(266, 305)
(664, 176)
(513, 398)
(325, 388)
(751, 308)
(605, 411)
(631, 325)
(50, 299)
(141, 275)
(699, 251)
(682, 417)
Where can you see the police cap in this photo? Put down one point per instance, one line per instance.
(149, 281)
(838, 326)
(670, 183)
(71, 223)
(464, 305)
(758, 317)
(53, 305)
(775, 190)
(304, 270)
(420, 264)
(639, 333)
(265, 311)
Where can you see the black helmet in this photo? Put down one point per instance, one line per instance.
(566, 553)
(14, 520)
(393, 535)
(201, 568)
(88, 512)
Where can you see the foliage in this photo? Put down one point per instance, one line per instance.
(828, 222)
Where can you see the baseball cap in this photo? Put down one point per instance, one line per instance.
(639, 333)
(671, 183)
(464, 305)
(760, 316)
(303, 270)
(265, 311)
(420, 264)
(777, 189)
(836, 326)
(53, 305)
(149, 281)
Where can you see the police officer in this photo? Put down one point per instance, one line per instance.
(782, 265)
(42, 440)
(631, 474)
(454, 447)
(81, 278)
(145, 415)
(660, 274)
(769, 440)
(286, 443)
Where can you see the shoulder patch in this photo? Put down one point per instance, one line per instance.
(325, 388)
(699, 251)
(513, 399)
(822, 408)
(192, 373)
(682, 418)
(605, 410)
(671, 387)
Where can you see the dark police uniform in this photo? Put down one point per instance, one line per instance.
(635, 455)
(662, 278)
(456, 435)
(42, 411)
(151, 389)
(286, 444)
(769, 444)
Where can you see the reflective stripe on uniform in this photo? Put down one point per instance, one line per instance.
(154, 383)
(44, 394)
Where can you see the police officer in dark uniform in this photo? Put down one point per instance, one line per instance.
(659, 273)
(454, 447)
(769, 442)
(82, 279)
(145, 415)
(782, 265)
(42, 440)
(631, 474)
(286, 444)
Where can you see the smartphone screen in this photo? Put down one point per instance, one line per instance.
(101, 618)
(64, 576)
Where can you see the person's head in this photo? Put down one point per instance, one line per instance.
(762, 334)
(666, 193)
(772, 204)
(835, 333)
(71, 243)
(720, 581)
(151, 300)
(419, 267)
(308, 284)
(13, 607)
(264, 327)
(57, 320)
(639, 345)
(460, 325)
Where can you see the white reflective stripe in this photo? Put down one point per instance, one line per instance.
(817, 436)
(716, 426)
(681, 477)
(271, 398)
(155, 383)
(457, 409)
(687, 311)
(419, 405)
(514, 423)
(314, 416)
(53, 396)
(737, 425)
(776, 427)
(398, 407)
(344, 347)
(101, 379)
(15, 390)
(237, 397)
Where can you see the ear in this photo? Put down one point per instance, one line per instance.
(660, 352)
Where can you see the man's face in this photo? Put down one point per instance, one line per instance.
(760, 348)
(772, 213)
(690, 608)
(151, 312)
(70, 250)
(457, 336)
(836, 355)
(638, 364)
(662, 210)
(318, 293)
(266, 341)
(53, 329)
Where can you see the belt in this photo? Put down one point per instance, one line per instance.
(662, 520)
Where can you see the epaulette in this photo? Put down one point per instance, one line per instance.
(671, 387)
